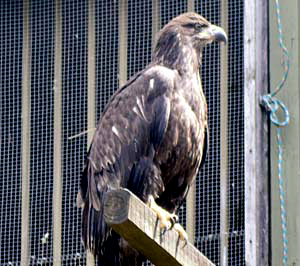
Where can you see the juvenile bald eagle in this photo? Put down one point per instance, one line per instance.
(152, 137)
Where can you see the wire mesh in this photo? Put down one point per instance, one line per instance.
(170, 9)
(41, 129)
(107, 51)
(139, 35)
(236, 184)
(11, 34)
(74, 105)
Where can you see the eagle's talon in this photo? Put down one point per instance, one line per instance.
(185, 243)
(167, 220)
(181, 233)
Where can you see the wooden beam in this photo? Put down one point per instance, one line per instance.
(138, 224)
(191, 6)
(91, 71)
(25, 245)
(123, 19)
(251, 227)
(155, 20)
(57, 178)
(191, 196)
(190, 212)
(224, 142)
(256, 134)
(262, 133)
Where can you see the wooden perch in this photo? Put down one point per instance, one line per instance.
(138, 224)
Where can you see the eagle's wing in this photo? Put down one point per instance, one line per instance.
(121, 154)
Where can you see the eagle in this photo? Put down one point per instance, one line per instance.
(152, 138)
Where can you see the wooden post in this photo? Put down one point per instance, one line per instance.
(191, 6)
(122, 42)
(57, 178)
(262, 133)
(224, 142)
(250, 151)
(25, 134)
(191, 196)
(256, 133)
(155, 20)
(138, 224)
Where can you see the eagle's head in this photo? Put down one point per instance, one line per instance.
(181, 40)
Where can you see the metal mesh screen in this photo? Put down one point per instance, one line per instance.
(140, 18)
(170, 9)
(139, 35)
(107, 48)
(236, 184)
(74, 105)
(11, 34)
(41, 129)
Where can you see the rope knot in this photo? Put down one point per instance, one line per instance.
(271, 105)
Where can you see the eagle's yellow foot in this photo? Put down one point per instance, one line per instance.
(167, 220)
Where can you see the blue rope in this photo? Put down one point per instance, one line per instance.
(272, 105)
(286, 56)
(282, 198)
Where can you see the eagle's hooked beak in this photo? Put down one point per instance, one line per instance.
(218, 34)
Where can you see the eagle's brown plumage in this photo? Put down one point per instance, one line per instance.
(152, 136)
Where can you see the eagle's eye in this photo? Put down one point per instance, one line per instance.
(199, 27)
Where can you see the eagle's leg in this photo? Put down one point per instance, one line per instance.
(167, 220)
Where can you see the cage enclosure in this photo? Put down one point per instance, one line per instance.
(60, 63)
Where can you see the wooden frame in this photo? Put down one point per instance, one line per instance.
(224, 232)
(256, 133)
(155, 20)
(25, 134)
(57, 175)
(123, 17)
(191, 196)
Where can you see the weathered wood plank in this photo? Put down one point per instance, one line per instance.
(224, 140)
(123, 17)
(26, 78)
(57, 155)
(256, 134)
(138, 224)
